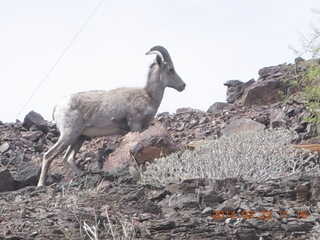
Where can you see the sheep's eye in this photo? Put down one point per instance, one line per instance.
(171, 70)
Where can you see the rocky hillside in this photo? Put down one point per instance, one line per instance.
(113, 206)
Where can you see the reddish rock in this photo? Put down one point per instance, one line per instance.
(263, 93)
(32, 135)
(144, 147)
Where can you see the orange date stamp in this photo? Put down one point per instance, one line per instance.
(259, 214)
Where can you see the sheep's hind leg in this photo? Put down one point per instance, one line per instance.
(70, 155)
(72, 151)
(48, 157)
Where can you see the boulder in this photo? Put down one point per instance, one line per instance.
(278, 118)
(263, 93)
(236, 89)
(217, 107)
(242, 125)
(143, 147)
(27, 175)
(33, 136)
(36, 120)
(269, 71)
(6, 181)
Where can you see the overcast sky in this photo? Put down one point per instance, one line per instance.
(210, 42)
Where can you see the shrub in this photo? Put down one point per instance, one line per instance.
(308, 82)
(256, 156)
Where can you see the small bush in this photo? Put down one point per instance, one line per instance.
(256, 156)
(308, 82)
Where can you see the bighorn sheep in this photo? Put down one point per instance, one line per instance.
(104, 113)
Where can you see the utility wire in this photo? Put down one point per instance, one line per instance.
(60, 57)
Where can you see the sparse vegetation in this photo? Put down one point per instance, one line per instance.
(94, 223)
(256, 156)
(308, 82)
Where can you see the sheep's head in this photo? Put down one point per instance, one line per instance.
(168, 76)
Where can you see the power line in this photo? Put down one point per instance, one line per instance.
(59, 58)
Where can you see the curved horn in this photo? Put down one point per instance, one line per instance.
(161, 52)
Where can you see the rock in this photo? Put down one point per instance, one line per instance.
(236, 89)
(272, 71)
(242, 125)
(263, 118)
(278, 118)
(143, 147)
(6, 181)
(246, 234)
(184, 201)
(148, 207)
(32, 135)
(263, 93)
(135, 174)
(262, 224)
(217, 107)
(4, 147)
(27, 175)
(303, 193)
(229, 205)
(298, 226)
(210, 198)
(316, 188)
(40, 146)
(187, 109)
(35, 119)
(233, 83)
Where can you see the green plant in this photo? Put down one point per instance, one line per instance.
(309, 44)
(310, 92)
(257, 156)
(308, 82)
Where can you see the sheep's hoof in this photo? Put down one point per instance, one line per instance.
(41, 185)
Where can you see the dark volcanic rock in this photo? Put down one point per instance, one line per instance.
(270, 71)
(27, 175)
(35, 119)
(236, 89)
(6, 181)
